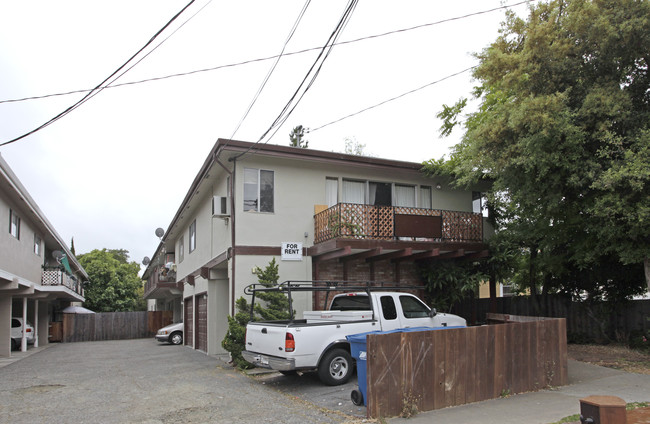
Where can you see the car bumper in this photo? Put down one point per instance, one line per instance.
(271, 362)
(162, 338)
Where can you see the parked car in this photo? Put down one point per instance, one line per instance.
(17, 333)
(172, 333)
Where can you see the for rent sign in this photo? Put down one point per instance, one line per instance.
(292, 251)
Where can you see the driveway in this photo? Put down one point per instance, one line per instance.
(142, 381)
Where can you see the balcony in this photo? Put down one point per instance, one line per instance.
(161, 284)
(58, 277)
(396, 223)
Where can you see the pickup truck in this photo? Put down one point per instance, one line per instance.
(318, 340)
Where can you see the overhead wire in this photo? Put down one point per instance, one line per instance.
(275, 64)
(318, 65)
(100, 86)
(391, 99)
(262, 59)
(327, 47)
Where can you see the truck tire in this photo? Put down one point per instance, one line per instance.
(336, 367)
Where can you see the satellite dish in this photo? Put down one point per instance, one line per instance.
(57, 255)
(160, 232)
(146, 261)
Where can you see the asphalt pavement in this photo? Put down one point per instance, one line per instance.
(142, 381)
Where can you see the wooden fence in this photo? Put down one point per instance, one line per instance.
(585, 322)
(436, 369)
(113, 325)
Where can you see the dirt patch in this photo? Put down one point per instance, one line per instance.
(611, 356)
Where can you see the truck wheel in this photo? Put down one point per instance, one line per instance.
(336, 367)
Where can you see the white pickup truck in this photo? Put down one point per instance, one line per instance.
(318, 340)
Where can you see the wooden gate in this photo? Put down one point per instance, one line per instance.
(202, 322)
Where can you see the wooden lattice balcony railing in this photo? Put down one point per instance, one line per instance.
(57, 277)
(160, 275)
(356, 221)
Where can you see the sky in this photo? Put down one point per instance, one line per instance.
(117, 167)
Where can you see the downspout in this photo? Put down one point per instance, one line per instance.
(231, 254)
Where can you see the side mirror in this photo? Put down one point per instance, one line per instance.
(433, 313)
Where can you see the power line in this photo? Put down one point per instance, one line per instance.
(312, 74)
(246, 62)
(275, 64)
(100, 86)
(391, 99)
(327, 49)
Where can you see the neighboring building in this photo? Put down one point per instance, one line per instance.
(39, 276)
(322, 215)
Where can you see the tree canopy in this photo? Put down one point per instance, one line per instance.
(114, 285)
(563, 132)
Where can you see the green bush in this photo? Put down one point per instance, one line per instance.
(271, 306)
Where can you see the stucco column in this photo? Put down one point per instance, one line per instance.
(23, 341)
(36, 332)
(5, 326)
(43, 323)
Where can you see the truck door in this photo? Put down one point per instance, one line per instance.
(389, 318)
(415, 313)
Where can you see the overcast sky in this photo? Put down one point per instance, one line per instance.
(116, 168)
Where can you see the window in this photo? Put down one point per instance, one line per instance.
(404, 195)
(37, 245)
(14, 224)
(354, 192)
(181, 249)
(351, 303)
(258, 190)
(479, 202)
(332, 191)
(388, 308)
(425, 197)
(413, 308)
(380, 194)
(193, 236)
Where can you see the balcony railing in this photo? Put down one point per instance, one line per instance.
(355, 221)
(159, 275)
(58, 277)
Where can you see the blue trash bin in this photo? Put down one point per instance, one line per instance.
(358, 351)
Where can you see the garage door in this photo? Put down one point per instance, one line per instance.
(202, 322)
(188, 319)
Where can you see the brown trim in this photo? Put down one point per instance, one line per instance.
(339, 243)
(450, 255)
(190, 280)
(391, 255)
(274, 150)
(422, 255)
(258, 250)
(205, 273)
(478, 255)
(335, 254)
(362, 255)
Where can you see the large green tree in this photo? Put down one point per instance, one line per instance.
(114, 284)
(563, 131)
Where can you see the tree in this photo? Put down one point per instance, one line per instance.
(273, 306)
(353, 147)
(113, 284)
(563, 131)
(296, 137)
